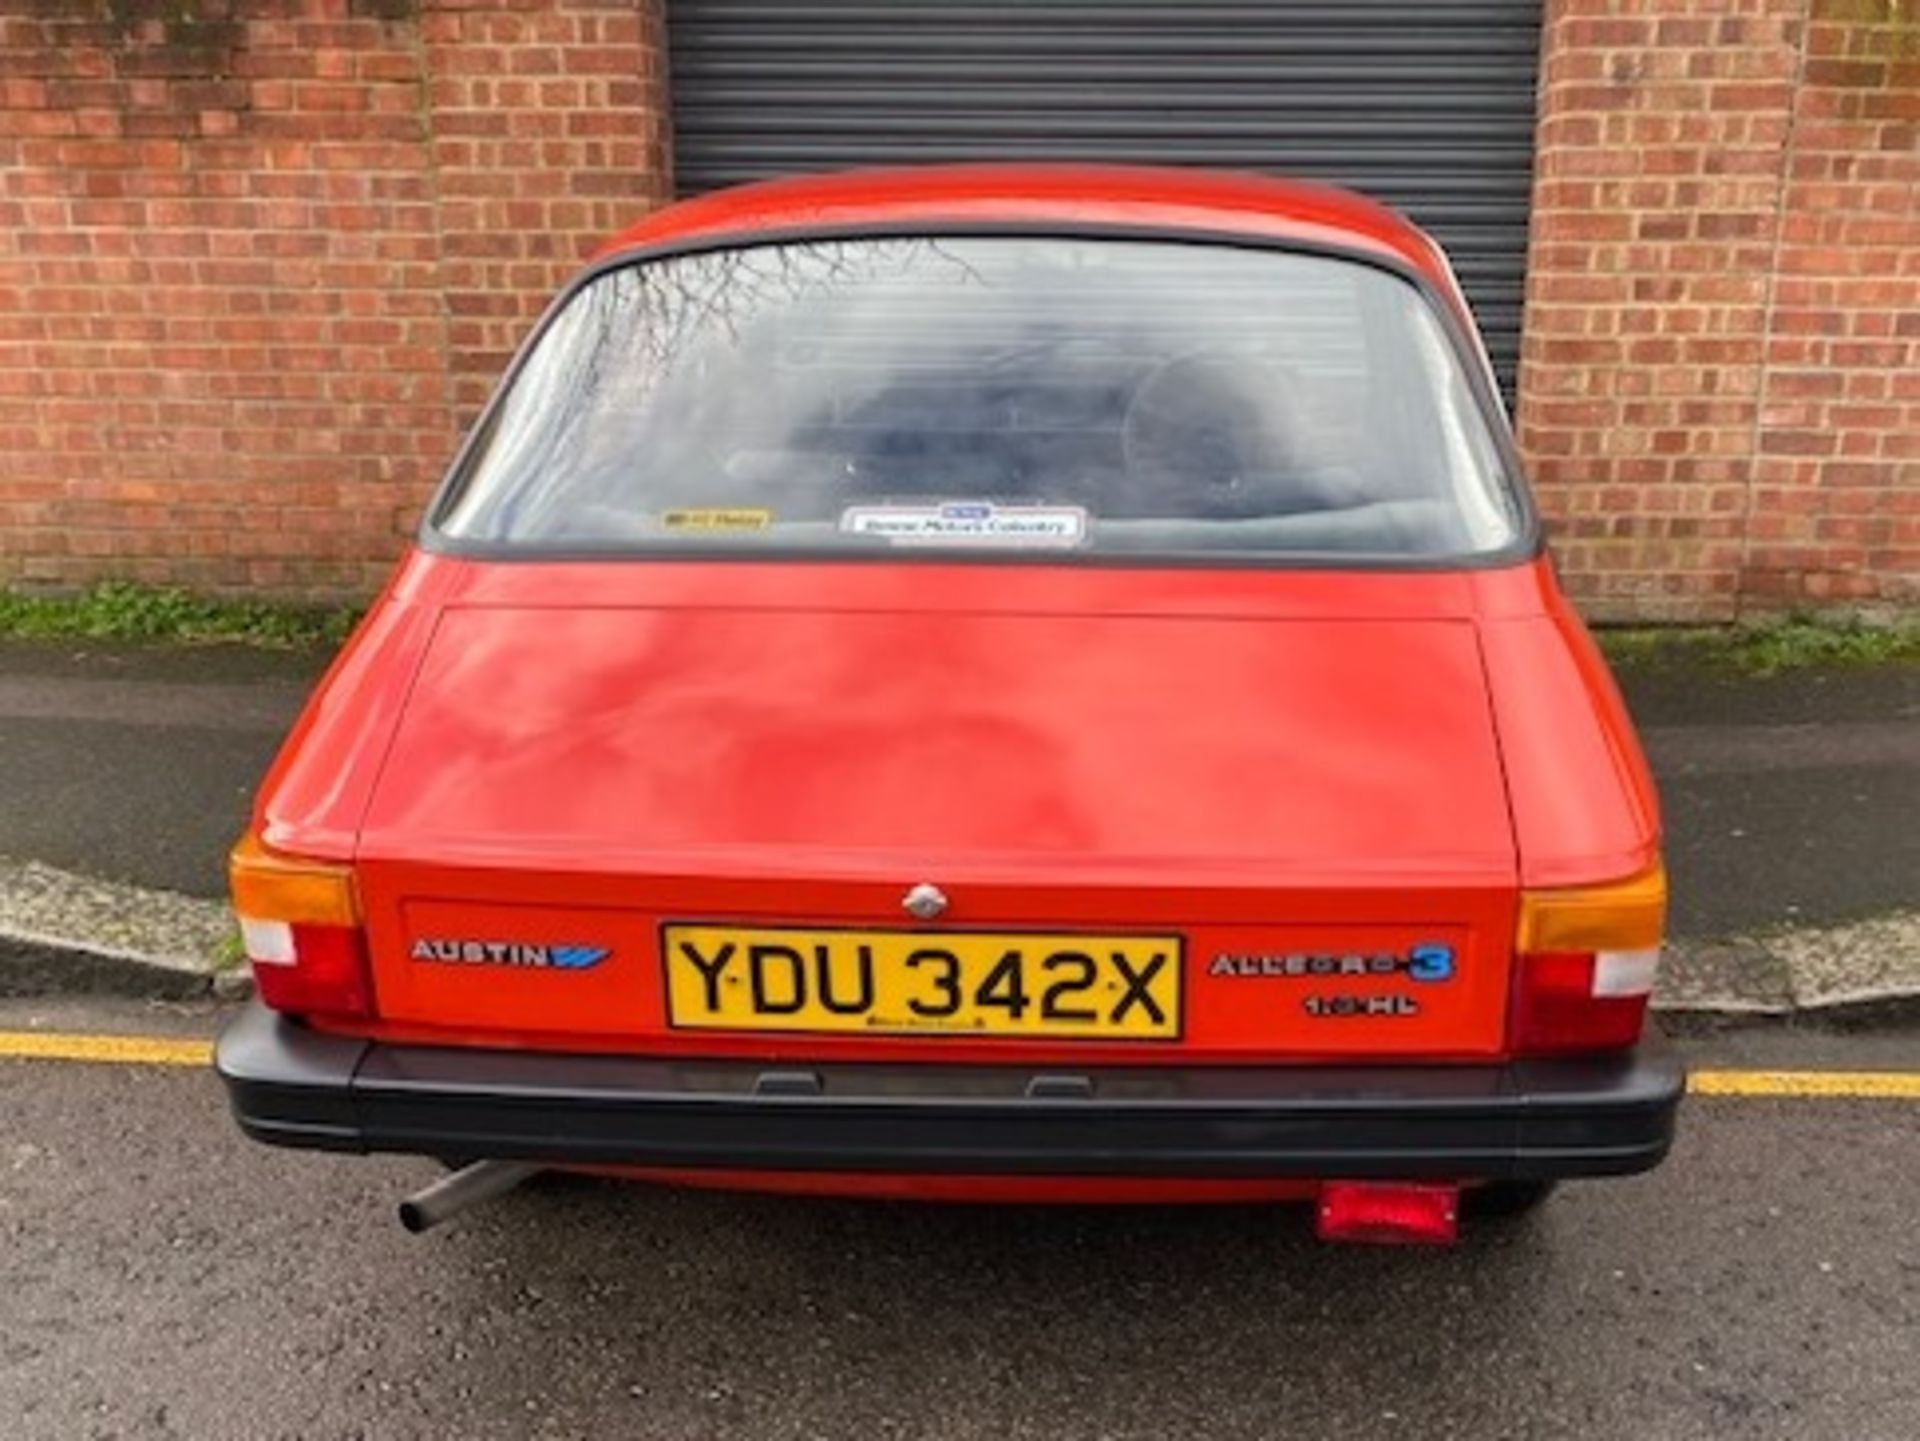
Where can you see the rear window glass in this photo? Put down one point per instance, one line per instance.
(999, 394)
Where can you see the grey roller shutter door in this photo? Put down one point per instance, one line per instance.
(1425, 104)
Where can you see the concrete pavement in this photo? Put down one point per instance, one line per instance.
(167, 1279)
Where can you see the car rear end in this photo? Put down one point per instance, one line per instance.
(1038, 725)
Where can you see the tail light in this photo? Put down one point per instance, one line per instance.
(300, 924)
(1585, 965)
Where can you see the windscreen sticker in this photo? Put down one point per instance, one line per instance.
(968, 522)
(716, 519)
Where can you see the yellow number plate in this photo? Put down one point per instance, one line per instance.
(906, 982)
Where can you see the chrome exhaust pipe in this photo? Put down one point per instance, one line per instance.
(468, 1186)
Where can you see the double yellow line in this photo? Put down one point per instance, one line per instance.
(167, 1051)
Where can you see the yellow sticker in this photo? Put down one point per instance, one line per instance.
(716, 519)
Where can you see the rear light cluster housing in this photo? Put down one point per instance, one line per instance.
(1584, 965)
(300, 923)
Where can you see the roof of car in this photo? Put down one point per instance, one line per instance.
(1147, 197)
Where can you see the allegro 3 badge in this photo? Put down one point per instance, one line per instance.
(1430, 962)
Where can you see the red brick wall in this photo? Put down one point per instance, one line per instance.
(1720, 386)
(548, 120)
(260, 258)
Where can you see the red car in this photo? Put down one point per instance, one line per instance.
(1014, 683)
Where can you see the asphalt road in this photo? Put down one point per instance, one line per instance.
(139, 764)
(163, 1278)
(1787, 799)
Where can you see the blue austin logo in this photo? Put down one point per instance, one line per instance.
(510, 953)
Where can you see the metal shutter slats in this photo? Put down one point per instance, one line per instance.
(1426, 104)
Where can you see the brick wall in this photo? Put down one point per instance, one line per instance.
(1720, 385)
(548, 122)
(259, 260)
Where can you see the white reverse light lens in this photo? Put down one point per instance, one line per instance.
(269, 943)
(1625, 973)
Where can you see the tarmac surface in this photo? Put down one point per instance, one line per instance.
(1788, 799)
(165, 1278)
(139, 764)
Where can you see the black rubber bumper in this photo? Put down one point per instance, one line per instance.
(1534, 1119)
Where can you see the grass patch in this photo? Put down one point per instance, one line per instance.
(1768, 647)
(231, 954)
(117, 611)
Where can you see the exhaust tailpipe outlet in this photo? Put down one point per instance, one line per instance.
(469, 1186)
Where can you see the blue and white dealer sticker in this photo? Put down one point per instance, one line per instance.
(968, 522)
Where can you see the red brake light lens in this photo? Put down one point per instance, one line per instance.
(326, 972)
(1555, 1007)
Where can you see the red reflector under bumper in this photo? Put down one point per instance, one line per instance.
(1389, 1213)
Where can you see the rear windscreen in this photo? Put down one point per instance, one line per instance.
(990, 393)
